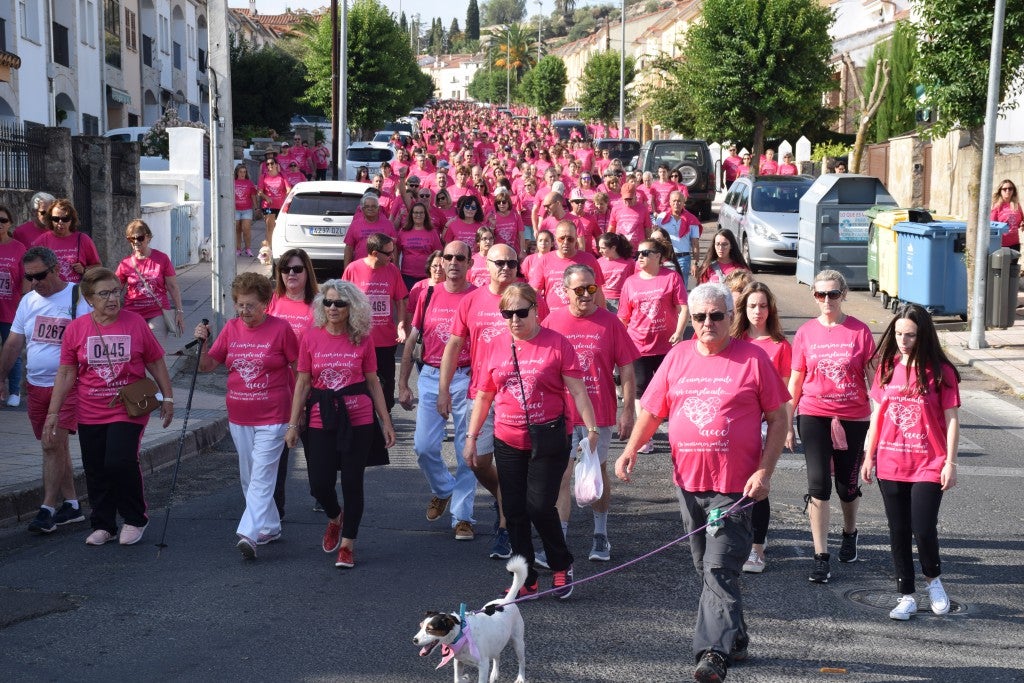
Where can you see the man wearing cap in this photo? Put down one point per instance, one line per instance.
(629, 218)
(683, 229)
(547, 274)
(730, 166)
(586, 227)
(285, 155)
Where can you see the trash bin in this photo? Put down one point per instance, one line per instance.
(834, 229)
(1001, 288)
(932, 270)
(882, 241)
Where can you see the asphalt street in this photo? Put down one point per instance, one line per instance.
(199, 612)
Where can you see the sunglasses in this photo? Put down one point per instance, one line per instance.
(587, 289)
(518, 312)
(831, 294)
(566, 239)
(5, 220)
(646, 253)
(293, 270)
(424, 196)
(461, 258)
(1006, 189)
(471, 207)
(60, 219)
(335, 303)
(502, 263)
(38, 277)
(717, 316)
(137, 238)
(386, 253)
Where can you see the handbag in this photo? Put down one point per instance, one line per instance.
(169, 320)
(547, 439)
(417, 349)
(139, 397)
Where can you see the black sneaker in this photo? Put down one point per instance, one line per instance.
(711, 668)
(738, 653)
(68, 515)
(43, 523)
(561, 582)
(822, 572)
(848, 550)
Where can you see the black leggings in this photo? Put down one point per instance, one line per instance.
(324, 461)
(645, 367)
(386, 373)
(110, 458)
(760, 515)
(912, 509)
(821, 456)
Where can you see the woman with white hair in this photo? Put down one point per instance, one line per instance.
(338, 390)
(39, 224)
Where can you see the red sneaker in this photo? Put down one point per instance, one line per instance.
(527, 592)
(332, 537)
(345, 558)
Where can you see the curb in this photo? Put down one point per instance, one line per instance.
(957, 354)
(22, 505)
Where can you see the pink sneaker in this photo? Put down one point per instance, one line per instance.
(238, 252)
(248, 252)
(99, 537)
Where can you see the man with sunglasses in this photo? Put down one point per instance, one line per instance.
(39, 324)
(601, 344)
(32, 229)
(714, 391)
(433, 318)
(548, 273)
(478, 322)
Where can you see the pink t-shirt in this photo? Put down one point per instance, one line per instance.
(615, 272)
(260, 381)
(12, 276)
(648, 307)
(1012, 216)
(153, 269)
(787, 169)
(660, 192)
(835, 360)
(769, 167)
(542, 362)
(632, 222)
(334, 362)
(478, 274)
(28, 232)
(417, 246)
(601, 344)
(361, 229)
(779, 352)
(731, 165)
(507, 229)
(712, 274)
(435, 322)
(478, 321)
(911, 426)
(127, 346)
(459, 229)
(383, 286)
(275, 189)
(245, 191)
(715, 405)
(547, 276)
(298, 314)
(74, 248)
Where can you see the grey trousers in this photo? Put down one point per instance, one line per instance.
(719, 560)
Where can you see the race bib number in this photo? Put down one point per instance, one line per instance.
(5, 284)
(49, 330)
(115, 348)
(380, 305)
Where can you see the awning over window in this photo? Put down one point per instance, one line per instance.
(118, 95)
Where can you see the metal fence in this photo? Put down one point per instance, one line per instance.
(22, 156)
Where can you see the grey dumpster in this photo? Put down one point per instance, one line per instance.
(1001, 288)
(834, 228)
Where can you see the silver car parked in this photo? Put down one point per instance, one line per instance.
(764, 214)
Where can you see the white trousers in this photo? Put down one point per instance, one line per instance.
(259, 449)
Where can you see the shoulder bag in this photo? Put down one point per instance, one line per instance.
(417, 351)
(169, 321)
(547, 439)
(139, 397)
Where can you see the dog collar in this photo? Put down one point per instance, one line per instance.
(449, 652)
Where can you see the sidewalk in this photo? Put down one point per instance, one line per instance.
(21, 459)
(1002, 360)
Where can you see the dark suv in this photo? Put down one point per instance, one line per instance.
(692, 158)
(622, 149)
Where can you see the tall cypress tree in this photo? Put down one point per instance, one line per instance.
(473, 21)
(403, 23)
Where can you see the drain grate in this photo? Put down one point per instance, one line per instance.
(886, 600)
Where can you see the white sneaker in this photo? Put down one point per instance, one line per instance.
(754, 563)
(904, 608)
(14, 401)
(937, 596)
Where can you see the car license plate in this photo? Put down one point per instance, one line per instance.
(326, 230)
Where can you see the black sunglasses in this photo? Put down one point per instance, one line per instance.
(60, 219)
(5, 220)
(832, 294)
(647, 252)
(461, 258)
(335, 303)
(471, 207)
(293, 270)
(501, 263)
(717, 316)
(518, 312)
(38, 277)
(137, 238)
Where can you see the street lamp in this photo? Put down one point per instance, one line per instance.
(540, 22)
(508, 68)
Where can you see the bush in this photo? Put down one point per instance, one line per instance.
(156, 142)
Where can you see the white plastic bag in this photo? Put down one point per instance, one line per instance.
(589, 485)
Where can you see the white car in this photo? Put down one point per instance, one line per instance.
(368, 154)
(315, 217)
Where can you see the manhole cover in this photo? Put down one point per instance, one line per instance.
(886, 600)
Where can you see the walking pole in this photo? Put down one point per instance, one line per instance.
(181, 441)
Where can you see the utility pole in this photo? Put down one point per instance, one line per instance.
(222, 144)
(335, 91)
(622, 76)
(540, 23)
(343, 98)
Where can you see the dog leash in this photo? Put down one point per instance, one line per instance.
(733, 509)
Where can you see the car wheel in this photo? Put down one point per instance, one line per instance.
(745, 248)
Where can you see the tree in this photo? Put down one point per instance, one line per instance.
(384, 81)
(488, 85)
(254, 73)
(896, 114)
(757, 68)
(503, 12)
(955, 40)
(454, 36)
(868, 103)
(671, 105)
(403, 23)
(599, 88)
(473, 21)
(513, 45)
(543, 86)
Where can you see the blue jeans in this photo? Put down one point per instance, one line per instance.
(14, 376)
(684, 264)
(430, 434)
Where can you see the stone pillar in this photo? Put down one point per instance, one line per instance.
(58, 176)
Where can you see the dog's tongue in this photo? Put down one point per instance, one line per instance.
(425, 650)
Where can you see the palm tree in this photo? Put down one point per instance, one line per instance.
(565, 7)
(516, 46)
